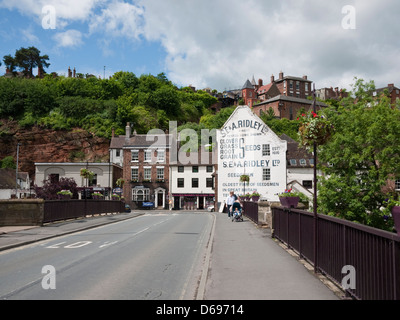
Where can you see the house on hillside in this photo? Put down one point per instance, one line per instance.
(8, 183)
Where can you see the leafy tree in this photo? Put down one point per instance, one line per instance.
(364, 154)
(51, 187)
(8, 162)
(26, 59)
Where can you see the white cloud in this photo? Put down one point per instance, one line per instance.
(219, 44)
(70, 38)
(118, 19)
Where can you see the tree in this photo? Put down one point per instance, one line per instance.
(26, 59)
(363, 155)
(52, 186)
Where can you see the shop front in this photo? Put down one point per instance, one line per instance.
(192, 201)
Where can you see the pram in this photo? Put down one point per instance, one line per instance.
(237, 215)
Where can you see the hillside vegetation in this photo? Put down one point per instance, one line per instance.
(98, 105)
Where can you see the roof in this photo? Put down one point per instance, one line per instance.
(248, 85)
(293, 78)
(297, 153)
(292, 99)
(140, 141)
(7, 178)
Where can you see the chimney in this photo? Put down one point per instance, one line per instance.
(74, 72)
(69, 72)
(128, 131)
(260, 82)
(281, 75)
(391, 85)
(112, 132)
(272, 78)
(305, 77)
(8, 71)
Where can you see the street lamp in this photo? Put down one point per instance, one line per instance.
(16, 172)
(314, 104)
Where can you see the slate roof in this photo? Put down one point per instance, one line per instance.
(295, 152)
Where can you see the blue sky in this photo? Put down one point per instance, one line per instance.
(212, 43)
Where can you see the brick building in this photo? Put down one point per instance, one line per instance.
(286, 95)
(392, 91)
(145, 162)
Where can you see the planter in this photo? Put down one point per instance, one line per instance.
(289, 202)
(64, 196)
(255, 198)
(396, 218)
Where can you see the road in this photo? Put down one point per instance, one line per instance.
(151, 257)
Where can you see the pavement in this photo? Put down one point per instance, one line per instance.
(243, 260)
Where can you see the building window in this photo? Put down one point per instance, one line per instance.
(303, 162)
(147, 155)
(293, 162)
(142, 194)
(135, 174)
(135, 155)
(118, 153)
(209, 182)
(93, 181)
(266, 174)
(195, 182)
(266, 150)
(291, 84)
(181, 182)
(160, 173)
(210, 169)
(307, 184)
(147, 174)
(397, 185)
(297, 85)
(161, 155)
(195, 169)
(306, 86)
(181, 169)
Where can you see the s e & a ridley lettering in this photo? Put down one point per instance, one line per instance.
(248, 164)
(244, 124)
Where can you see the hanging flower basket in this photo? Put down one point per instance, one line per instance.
(314, 128)
(86, 173)
(244, 178)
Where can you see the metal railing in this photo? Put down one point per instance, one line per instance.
(251, 210)
(373, 254)
(71, 209)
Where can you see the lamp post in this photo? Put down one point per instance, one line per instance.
(315, 194)
(16, 172)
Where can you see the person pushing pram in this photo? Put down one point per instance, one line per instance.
(236, 211)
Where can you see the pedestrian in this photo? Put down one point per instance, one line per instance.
(229, 202)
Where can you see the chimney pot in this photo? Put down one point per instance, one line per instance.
(281, 75)
(272, 78)
(128, 130)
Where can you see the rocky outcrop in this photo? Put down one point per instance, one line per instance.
(44, 145)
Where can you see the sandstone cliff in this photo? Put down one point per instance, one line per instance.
(44, 145)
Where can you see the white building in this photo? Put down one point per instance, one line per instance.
(192, 184)
(8, 184)
(105, 174)
(247, 146)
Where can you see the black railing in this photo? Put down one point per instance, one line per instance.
(251, 210)
(71, 209)
(373, 254)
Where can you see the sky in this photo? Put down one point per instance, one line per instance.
(211, 43)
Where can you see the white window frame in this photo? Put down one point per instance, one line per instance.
(266, 174)
(148, 155)
(136, 152)
(147, 174)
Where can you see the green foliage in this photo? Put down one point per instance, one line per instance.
(364, 153)
(8, 163)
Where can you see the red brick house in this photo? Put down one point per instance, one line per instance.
(145, 161)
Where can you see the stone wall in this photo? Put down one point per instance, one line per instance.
(21, 212)
(265, 213)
